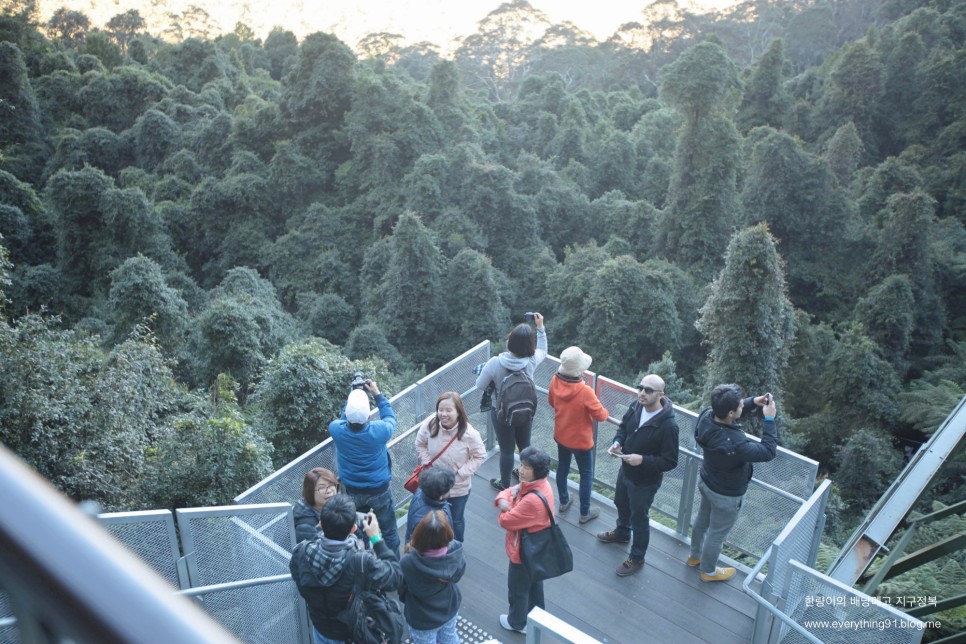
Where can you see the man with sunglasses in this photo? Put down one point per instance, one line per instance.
(647, 444)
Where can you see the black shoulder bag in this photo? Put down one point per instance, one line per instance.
(545, 553)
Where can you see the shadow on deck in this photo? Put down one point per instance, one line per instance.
(665, 602)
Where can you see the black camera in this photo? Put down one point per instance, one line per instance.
(358, 381)
(529, 317)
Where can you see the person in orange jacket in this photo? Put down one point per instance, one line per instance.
(576, 407)
(521, 510)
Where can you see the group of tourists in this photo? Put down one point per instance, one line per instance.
(346, 524)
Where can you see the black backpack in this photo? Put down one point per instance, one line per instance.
(517, 400)
(373, 617)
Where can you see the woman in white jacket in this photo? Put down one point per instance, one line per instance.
(464, 455)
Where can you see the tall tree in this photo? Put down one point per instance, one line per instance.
(410, 295)
(140, 295)
(747, 321)
(703, 202)
(125, 26)
(764, 101)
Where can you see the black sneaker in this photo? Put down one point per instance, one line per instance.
(611, 536)
(497, 485)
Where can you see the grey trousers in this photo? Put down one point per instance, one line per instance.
(716, 517)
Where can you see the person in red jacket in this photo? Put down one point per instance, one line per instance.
(521, 510)
(575, 407)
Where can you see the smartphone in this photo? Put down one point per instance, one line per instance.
(529, 317)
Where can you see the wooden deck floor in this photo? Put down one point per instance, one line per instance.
(664, 602)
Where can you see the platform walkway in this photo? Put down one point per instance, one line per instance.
(665, 602)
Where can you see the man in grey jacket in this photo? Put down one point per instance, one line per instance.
(726, 471)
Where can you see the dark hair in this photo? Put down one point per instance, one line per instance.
(462, 420)
(311, 479)
(432, 533)
(538, 461)
(338, 517)
(436, 481)
(522, 341)
(725, 399)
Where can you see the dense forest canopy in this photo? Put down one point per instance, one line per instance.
(204, 236)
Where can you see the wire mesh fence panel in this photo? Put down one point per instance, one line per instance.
(797, 539)
(234, 543)
(151, 536)
(836, 613)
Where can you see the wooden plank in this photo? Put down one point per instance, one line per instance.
(664, 602)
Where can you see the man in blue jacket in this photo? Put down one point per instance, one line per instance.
(726, 471)
(363, 457)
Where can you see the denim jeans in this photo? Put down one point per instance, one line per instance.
(506, 438)
(523, 593)
(457, 505)
(716, 517)
(445, 634)
(585, 465)
(319, 638)
(383, 507)
(633, 503)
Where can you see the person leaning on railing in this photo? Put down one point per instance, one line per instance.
(726, 471)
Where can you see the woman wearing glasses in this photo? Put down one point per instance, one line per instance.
(318, 486)
(647, 444)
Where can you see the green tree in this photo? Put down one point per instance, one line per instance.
(474, 303)
(318, 89)
(241, 329)
(19, 116)
(304, 389)
(68, 26)
(282, 48)
(865, 466)
(887, 314)
(124, 27)
(82, 417)
(140, 295)
(369, 341)
(797, 196)
(327, 316)
(844, 153)
(747, 322)
(902, 247)
(859, 385)
(5, 267)
(764, 101)
(411, 296)
(703, 201)
(99, 226)
(855, 92)
(621, 294)
(207, 454)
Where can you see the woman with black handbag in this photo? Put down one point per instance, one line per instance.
(525, 508)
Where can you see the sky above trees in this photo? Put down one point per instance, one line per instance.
(438, 21)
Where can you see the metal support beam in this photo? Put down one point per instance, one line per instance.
(927, 554)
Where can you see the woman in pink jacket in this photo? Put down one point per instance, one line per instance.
(521, 510)
(575, 407)
(464, 455)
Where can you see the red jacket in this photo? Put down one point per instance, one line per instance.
(575, 407)
(527, 513)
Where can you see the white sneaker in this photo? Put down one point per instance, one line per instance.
(505, 623)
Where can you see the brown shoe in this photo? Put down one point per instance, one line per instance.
(611, 537)
(629, 567)
(693, 561)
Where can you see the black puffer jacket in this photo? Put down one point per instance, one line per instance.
(656, 441)
(306, 521)
(729, 452)
(325, 572)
